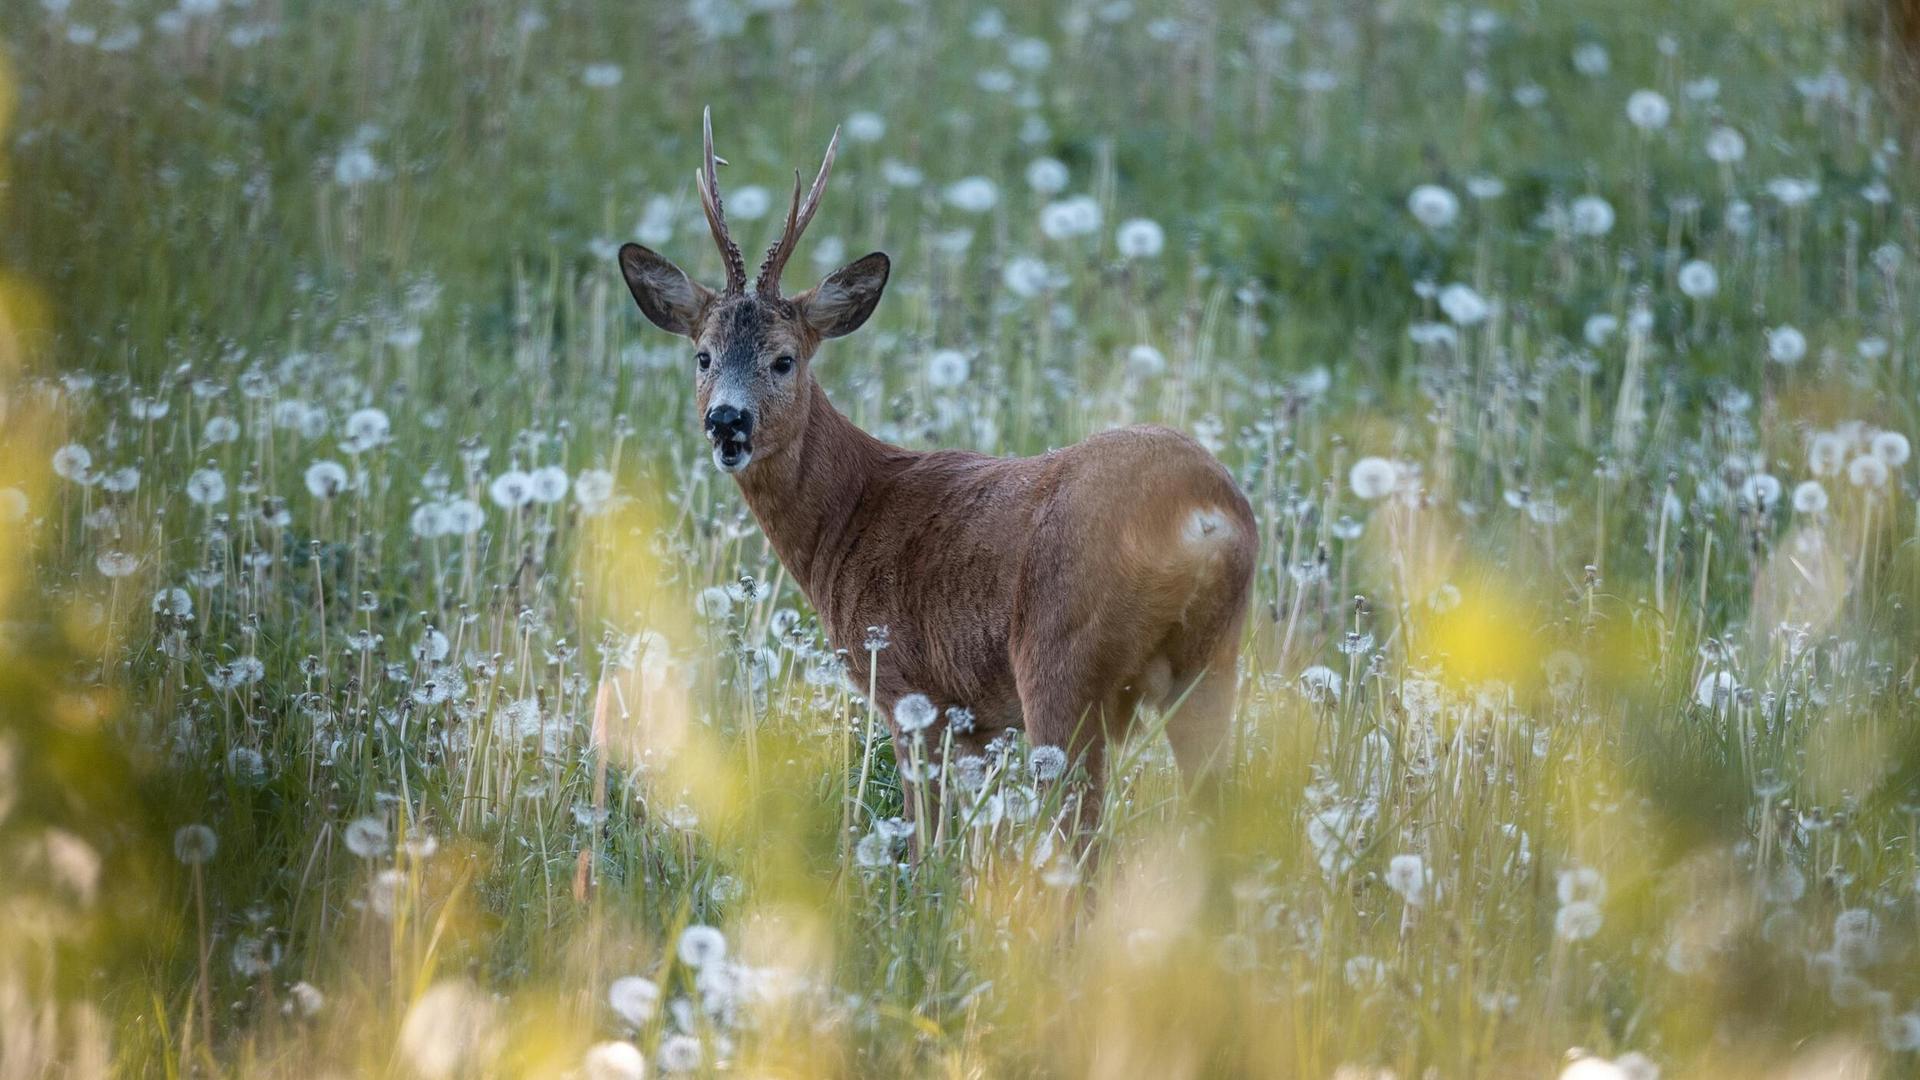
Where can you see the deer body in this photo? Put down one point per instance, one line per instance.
(1054, 592)
(1057, 592)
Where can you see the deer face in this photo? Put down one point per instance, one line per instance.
(752, 350)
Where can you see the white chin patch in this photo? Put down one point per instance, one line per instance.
(731, 459)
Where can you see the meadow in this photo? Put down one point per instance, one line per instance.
(390, 684)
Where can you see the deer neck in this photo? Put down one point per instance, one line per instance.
(805, 495)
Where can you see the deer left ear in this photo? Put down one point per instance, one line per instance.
(841, 304)
(669, 298)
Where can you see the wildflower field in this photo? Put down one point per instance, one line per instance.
(391, 685)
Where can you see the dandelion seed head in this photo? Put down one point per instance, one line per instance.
(1868, 472)
(1786, 345)
(701, 946)
(1648, 110)
(1373, 478)
(1698, 279)
(914, 712)
(195, 845)
(1140, 238)
(1433, 206)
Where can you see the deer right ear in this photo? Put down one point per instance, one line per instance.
(669, 298)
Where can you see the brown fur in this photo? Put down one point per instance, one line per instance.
(1058, 592)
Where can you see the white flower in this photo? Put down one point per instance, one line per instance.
(1026, 276)
(173, 602)
(750, 203)
(1321, 684)
(451, 1031)
(1580, 883)
(365, 429)
(1827, 453)
(1593, 1068)
(701, 945)
(947, 368)
(866, 126)
(1046, 175)
(1433, 206)
(13, 504)
(1793, 191)
(73, 462)
(325, 479)
(1890, 447)
(1761, 490)
(1408, 876)
(1484, 188)
(511, 490)
(1648, 110)
(1463, 305)
(121, 480)
(1590, 215)
(592, 489)
(1716, 689)
(898, 173)
(464, 517)
(614, 1060)
(307, 998)
(366, 837)
(1144, 361)
(355, 166)
(1373, 478)
(1726, 145)
(1599, 329)
(1867, 471)
(549, 484)
(1140, 238)
(220, 429)
(1590, 58)
(1031, 53)
(634, 998)
(1577, 921)
(1786, 345)
(195, 845)
(1698, 279)
(914, 712)
(1809, 497)
(600, 76)
(206, 487)
(1047, 764)
(973, 195)
(656, 222)
(432, 647)
(1077, 215)
(680, 1053)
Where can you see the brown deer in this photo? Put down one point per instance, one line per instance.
(1057, 592)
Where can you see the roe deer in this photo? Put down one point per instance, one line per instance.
(1057, 592)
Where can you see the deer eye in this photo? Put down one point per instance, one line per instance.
(705, 358)
(782, 365)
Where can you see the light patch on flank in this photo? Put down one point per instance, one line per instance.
(1206, 525)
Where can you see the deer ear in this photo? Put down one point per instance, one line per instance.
(666, 295)
(839, 305)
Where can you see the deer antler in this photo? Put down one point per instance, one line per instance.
(707, 179)
(767, 284)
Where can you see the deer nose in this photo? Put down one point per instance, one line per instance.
(725, 423)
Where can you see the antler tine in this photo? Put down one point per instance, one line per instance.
(798, 215)
(707, 179)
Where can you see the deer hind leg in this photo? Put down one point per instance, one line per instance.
(1065, 672)
(1200, 725)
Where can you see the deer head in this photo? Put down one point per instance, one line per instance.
(753, 349)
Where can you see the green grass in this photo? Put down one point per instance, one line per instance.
(1520, 631)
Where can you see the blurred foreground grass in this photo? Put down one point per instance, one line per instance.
(389, 685)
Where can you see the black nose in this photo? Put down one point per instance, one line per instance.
(728, 424)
